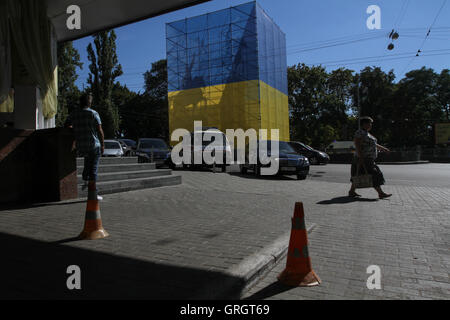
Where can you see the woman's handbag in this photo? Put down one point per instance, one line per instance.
(361, 181)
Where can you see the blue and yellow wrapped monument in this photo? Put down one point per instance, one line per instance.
(228, 69)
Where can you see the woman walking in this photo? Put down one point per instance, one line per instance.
(366, 153)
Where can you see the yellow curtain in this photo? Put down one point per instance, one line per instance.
(6, 104)
(31, 32)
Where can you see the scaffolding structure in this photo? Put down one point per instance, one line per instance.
(228, 69)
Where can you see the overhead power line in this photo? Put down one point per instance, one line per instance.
(426, 36)
(398, 56)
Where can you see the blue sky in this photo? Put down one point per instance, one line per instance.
(328, 32)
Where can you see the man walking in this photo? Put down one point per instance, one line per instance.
(89, 137)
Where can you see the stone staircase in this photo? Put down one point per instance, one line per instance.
(126, 174)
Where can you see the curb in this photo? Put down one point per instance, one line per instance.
(404, 163)
(392, 163)
(243, 276)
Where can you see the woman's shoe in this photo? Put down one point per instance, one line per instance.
(385, 195)
(353, 194)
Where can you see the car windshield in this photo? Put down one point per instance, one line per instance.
(129, 142)
(152, 144)
(212, 136)
(112, 145)
(306, 146)
(284, 147)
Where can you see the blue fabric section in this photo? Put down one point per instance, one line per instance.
(236, 44)
(272, 56)
(211, 49)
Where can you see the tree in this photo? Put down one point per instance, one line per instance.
(338, 103)
(146, 114)
(104, 69)
(443, 92)
(156, 95)
(376, 89)
(306, 88)
(417, 108)
(122, 97)
(319, 104)
(68, 92)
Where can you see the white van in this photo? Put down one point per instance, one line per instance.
(225, 147)
(340, 147)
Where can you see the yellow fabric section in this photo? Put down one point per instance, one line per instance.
(8, 104)
(274, 111)
(227, 106)
(240, 105)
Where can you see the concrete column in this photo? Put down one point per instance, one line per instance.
(26, 112)
(28, 109)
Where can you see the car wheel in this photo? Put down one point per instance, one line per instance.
(301, 177)
(313, 160)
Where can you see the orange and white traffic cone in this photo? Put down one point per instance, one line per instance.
(298, 271)
(93, 228)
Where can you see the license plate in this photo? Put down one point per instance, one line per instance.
(288, 169)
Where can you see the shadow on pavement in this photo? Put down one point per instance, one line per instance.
(343, 200)
(19, 206)
(252, 176)
(269, 291)
(34, 269)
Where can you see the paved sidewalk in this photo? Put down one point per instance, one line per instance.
(191, 241)
(408, 237)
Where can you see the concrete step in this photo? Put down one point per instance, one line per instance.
(112, 176)
(109, 187)
(111, 160)
(108, 168)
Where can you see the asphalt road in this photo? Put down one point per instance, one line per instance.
(430, 175)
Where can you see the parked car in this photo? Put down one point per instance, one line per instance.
(224, 148)
(128, 146)
(154, 150)
(113, 149)
(290, 162)
(314, 156)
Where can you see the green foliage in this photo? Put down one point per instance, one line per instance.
(417, 108)
(319, 103)
(156, 94)
(104, 69)
(324, 106)
(376, 89)
(68, 93)
(443, 92)
(146, 115)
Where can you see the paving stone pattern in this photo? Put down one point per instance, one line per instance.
(169, 242)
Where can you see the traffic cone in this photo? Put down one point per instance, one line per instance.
(298, 271)
(93, 228)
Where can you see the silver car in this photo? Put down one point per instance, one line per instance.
(113, 149)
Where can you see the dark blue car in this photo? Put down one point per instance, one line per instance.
(155, 151)
(289, 161)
